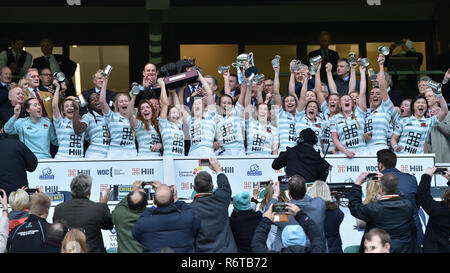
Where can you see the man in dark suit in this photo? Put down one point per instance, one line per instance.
(97, 80)
(56, 63)
(17, 59)
(328, 55)
(80, 212)
(407, 185)
(5, 81)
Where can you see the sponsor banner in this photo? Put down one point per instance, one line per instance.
(53, 176)
(242, 173)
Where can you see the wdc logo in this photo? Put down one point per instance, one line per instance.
(254, 170)
(46, 174)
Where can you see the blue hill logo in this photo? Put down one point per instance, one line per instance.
(46, 174)
(254, 170)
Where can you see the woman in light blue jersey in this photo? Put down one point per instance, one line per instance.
(262, 136)
(122, 134)
(170, 124)
(71, 144)
(93, 124)
(33, 130)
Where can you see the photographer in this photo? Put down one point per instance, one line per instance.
(171, 223)
(437, 233)
(293, 236)
(303, 159)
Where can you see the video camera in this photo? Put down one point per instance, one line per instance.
(284, 182)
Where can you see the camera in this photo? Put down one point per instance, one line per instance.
(371, 176)
(147, 183)
(264, 183)
(279, 208)
(440, 171)
(284, 182)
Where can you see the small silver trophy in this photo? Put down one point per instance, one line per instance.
(59, 76)
(276, 61)
(372, 74)
(384, 50)
(315, 60)
(296, 66)
(135, 88)
(435, 86)
(363, 62)
(80, 99)
(222, 68)
(249, 80)
(258, 78)
(107, 71)
(351, 58)
(312, 70)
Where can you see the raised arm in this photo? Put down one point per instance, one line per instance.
(248, 107)
(226, 82)
(301, 101)
(331, 84)
(291, 86)
(55, 100)
(178, 104)
(382, 79)
(276, 86)
(362, 89)
(130, 113)
(103, 104)
(444, 108)
(352, 80)
(318, 86)
(78, 126)
(163, 100)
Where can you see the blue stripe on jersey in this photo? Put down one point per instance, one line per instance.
(98, 133)
(377, 122)
(413, 133)
(146, 139)
(260, 138)
(350, 130)
(202, 131)
(71, 145)
(172, 137)
(122, 136)
(229, 129)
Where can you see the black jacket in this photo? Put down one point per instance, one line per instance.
(91, 216)
(318, 244)
(303, 160)
(394, 215)
(29, 236)
(437, 233)
(15, 161)
(243, 224)
(215, 235)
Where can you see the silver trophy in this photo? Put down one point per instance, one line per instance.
(249, 80)
(372, 75)
(351, 58)
(135, 88)
(363, 62)
(296, 66)
(435, 86)
(221, 69)
(384, 50)
(80, 99)
(107, 71)
(276, 61)
(258, 78)
(59, 76)
(315, 60)
(312, 70)
(244, 60)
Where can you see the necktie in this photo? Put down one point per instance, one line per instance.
(47, 62)
(38, 96)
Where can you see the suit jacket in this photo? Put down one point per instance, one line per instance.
(46, 97)
(3, 94)
(91, 216)
(66, 65)
(110, 95)
(396, 97)
(332, 57)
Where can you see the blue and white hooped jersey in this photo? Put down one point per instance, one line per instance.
(97, 132)
(146, 139)
(350, 130)
(326, 136)
(122, 135)
(377, 122)
(260, 138)
(71, 145)
(172, 137)
(286, 128)
(413, 133)
(317, 127)
(202, 131)
(230, 129)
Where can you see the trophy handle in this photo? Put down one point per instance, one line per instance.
(235, 65)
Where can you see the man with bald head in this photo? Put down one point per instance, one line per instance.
(5, 81)
(15, 96)
(171, 223)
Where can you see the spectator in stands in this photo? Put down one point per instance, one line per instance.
(44, 98)
(74, 242)
(17, 59)
(342, 80)
(125, 215)
(392, 212)
(172, 223)
(20, 208)
(437, 232)
(299, 79)
(29, 236)
(215, 235)
(16, 160)
(243, 221)
(328, 55)
(377, 241)
(4, 222)
(45, 80)
(80, 212)
(293, 236)
(54, 238)
(422, 85)
(438, 141)
(313, 207)
(268, 91)
(148, 86)
(372, 195)
(97, 80)
(333, 216)
(35, 131)
(446, 85)
(5, 82)
(15, 97)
